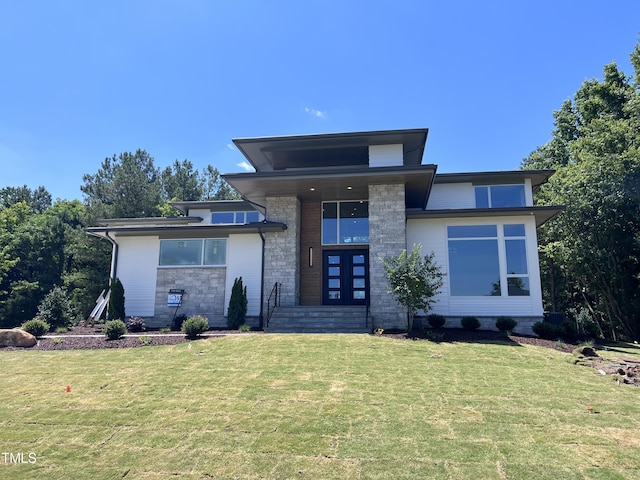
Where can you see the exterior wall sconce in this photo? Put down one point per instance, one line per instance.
(311, 256)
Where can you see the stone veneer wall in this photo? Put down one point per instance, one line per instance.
(204, 295)
(282, 250)
(387, 237)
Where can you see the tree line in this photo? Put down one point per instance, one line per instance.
(43, 244)
(590, 255)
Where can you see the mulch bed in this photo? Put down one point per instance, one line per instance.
(68, 340)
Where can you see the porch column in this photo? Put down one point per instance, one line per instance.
(282, 250)
(387, 237)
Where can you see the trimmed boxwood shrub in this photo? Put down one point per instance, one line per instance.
(114, 329)
(36, 327)
(470, 323)
(194, 326)
(436, 320)
(506, 324)
(548, 331)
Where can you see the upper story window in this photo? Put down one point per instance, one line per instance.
(193, 252)
(500, 196)
(237, 218)
(345, 222)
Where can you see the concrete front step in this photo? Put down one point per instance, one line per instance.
(319, 319)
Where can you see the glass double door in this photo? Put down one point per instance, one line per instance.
(345, 277)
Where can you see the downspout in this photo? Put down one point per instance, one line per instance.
(261, 325)
(114, 257)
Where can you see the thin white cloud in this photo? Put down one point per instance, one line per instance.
(316, 113)
(245, 166)
(231, 147)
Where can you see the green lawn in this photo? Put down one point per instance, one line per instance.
(315, 407)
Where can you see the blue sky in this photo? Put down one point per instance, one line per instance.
(83, 80)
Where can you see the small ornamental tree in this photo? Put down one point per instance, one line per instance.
(237, 313)
(413, 280)
(56, 310)
(116, 301)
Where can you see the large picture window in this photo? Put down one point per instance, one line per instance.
(485, 260)
(193, 252)
(345, 222)
(500, 196)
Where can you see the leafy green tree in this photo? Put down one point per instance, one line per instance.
(126, 186)
(38, 200)
(115, 309)
(181, 182)
(214, 186)
(414, 281)
(591, 254)
(237, 312)
(56, 310)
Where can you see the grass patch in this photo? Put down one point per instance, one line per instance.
(316, 406)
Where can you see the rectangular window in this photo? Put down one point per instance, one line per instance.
(234, 218)
(193, 252)
(487, 261)
(345, 222)
(500, 196)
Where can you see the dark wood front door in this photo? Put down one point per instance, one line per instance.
(345, 277)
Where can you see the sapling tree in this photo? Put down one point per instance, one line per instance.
(237, 312)
(414, 280)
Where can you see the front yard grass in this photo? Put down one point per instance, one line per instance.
(315, 407)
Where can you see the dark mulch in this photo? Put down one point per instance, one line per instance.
(480, 336)
(68, 340)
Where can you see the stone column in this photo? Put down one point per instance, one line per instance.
(282, 250)
(387, 237)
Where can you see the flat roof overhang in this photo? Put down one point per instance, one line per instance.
(538, 177)
(334, 184)
(329, 149)
(541, 214)
(146, 221)
(186, 231)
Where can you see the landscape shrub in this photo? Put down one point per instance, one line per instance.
(470, 323)
(114, 329)
(506, 324)
(194, 326)
(436, 320)
(56, 310)
(237, 312)
(136, 324)
(115, 309)
(244, 328)
(36, 327)
(546, 330)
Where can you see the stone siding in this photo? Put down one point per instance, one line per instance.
(282, 250)
(387, 237)
(204, 295)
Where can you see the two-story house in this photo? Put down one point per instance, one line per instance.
(318, 214)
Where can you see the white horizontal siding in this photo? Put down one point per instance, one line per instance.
(386, 155)
(432, 234)
(203, 213)
(452, 195)
(137, 270)
(244, 259)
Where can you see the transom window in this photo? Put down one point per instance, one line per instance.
(488, 260)
(345, 222)
(193, 252)
(500, 196)
(230, 218)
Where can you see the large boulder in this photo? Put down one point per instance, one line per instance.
(16, 338)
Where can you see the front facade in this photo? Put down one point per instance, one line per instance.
(318, 214)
